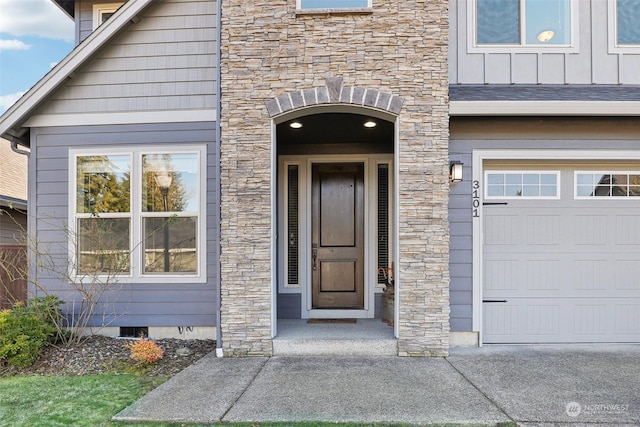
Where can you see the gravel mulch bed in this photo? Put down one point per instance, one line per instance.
(98, 354)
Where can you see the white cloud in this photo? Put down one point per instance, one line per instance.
(53, 64)
(13, 45)
(7, 101)
(35, 18)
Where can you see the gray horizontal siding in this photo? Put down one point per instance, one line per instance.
(167, 61)
(289, 306)
(591, 62)
(13, 224)
(135, 304)
(500, 133)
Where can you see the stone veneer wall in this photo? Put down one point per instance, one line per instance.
(399, 47)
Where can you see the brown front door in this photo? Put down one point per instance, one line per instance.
(337, 235)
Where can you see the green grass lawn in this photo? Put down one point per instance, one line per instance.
(68, 401)
(92, 400)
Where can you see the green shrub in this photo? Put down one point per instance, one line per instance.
(25, 331)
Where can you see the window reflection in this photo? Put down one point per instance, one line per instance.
(607, 184)
(523, 22)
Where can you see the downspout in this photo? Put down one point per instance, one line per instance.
(219, 352)
(15, 141)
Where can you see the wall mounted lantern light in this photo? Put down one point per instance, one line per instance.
(455, 171)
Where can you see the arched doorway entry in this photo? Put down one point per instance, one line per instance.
(335, 204)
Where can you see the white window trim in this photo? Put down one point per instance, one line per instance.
(612, 31)
(101, 9)
(603, 172)
(363, 9)
(473, 47)
(136, 214)
(520, 172)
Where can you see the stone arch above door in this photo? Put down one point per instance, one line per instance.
(334, 93)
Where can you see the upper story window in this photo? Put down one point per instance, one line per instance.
(333, 4)
(523, 23)
(102, 12)
(627, 22)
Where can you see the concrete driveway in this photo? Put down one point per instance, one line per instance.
(527, 385)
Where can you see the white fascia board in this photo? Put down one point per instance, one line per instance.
(65, 68)
(121, 117)
(544, 108)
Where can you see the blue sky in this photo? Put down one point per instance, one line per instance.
(34, 36)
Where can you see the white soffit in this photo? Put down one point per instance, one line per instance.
(544, 108)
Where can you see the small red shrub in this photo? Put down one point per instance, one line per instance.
(145, 351)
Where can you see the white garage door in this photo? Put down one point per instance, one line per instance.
(561, 260)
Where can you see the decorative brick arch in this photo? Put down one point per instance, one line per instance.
(334, 93)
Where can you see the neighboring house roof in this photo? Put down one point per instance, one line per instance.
(12, 121)
(13, 177)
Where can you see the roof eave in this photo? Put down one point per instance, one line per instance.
(67, 6)
(13, 203)
(12, 120)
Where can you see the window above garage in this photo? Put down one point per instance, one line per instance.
(522, 184)
(522, 25)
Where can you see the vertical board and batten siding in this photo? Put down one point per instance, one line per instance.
(167, 61)
(143, 304)
(508, 134)
(591, 62)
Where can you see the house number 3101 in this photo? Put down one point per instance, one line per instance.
(475, 199)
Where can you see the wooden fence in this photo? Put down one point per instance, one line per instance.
(13, 268)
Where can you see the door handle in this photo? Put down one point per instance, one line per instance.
(314, 256)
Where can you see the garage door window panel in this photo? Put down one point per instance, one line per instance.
(516, 184)
(607, 184)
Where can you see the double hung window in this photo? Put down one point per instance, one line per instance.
(139, 214)
(523, 22)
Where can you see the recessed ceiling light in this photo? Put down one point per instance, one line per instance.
(370, 124)
(546, 35)
(295, 125)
